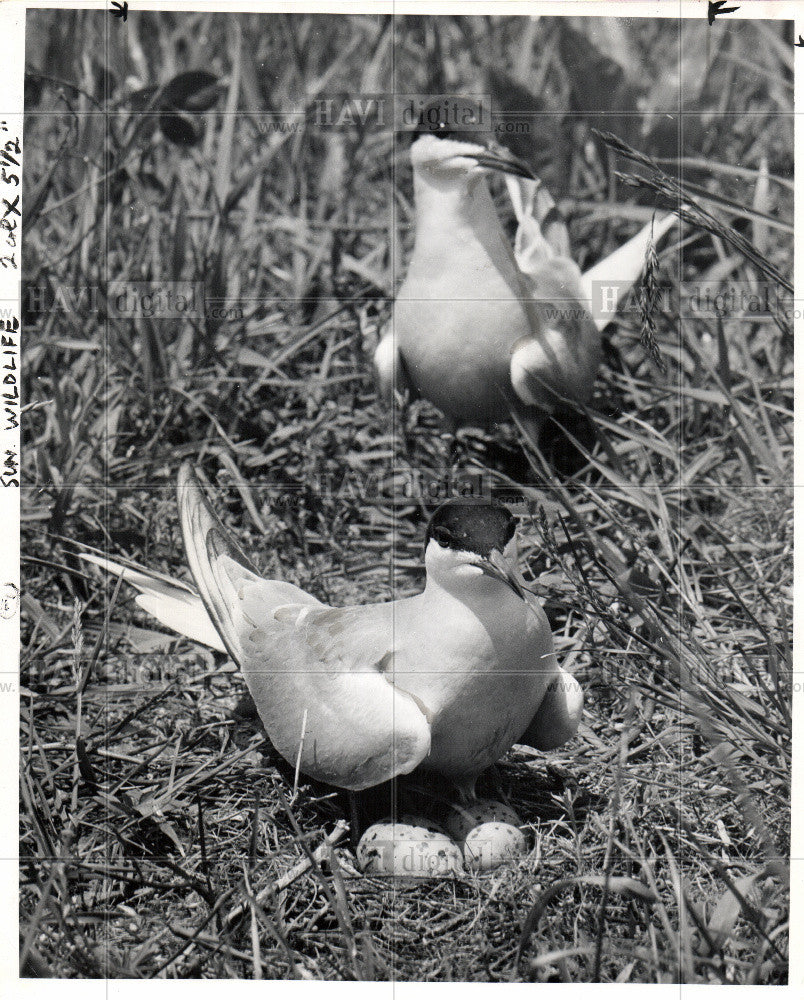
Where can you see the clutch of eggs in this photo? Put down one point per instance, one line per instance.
(487, 831)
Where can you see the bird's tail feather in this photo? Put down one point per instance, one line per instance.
(171, 602)
(212, 555)
(622, 269)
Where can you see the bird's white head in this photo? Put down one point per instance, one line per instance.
(471, 542)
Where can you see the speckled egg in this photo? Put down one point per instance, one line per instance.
(462, 819)
(413, 847)
(489, 845)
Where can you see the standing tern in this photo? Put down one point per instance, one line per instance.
(482, 329)
(445, 681)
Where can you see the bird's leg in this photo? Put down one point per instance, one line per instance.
(371, 806)
(531, 426)
(449, 437)
(459, 445)
(400, 407)
(354, 819)
(450, 442)
(465, 794)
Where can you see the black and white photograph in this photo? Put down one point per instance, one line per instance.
(404, 399)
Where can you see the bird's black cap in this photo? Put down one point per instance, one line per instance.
(467, 120)
(472, 524)
(461, 118)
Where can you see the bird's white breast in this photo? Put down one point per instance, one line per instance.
(481, 672)
(461, 306)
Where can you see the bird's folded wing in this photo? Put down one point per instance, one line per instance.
(322, 681)
(390, 371)
(556, 365)
(318, 675)
(385, 364)
(558, 716)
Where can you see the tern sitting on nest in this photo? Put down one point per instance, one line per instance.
(445, 681)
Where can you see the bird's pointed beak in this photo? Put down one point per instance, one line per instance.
(498, 158)
(499, 568)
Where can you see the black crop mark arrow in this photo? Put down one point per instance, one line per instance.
(800, 43)
(122, 10)
(718, 8)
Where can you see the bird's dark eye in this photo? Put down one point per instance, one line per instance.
(442, 535)
(441, 128)
(451, 118)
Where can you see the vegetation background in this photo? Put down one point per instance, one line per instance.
(160, 834)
